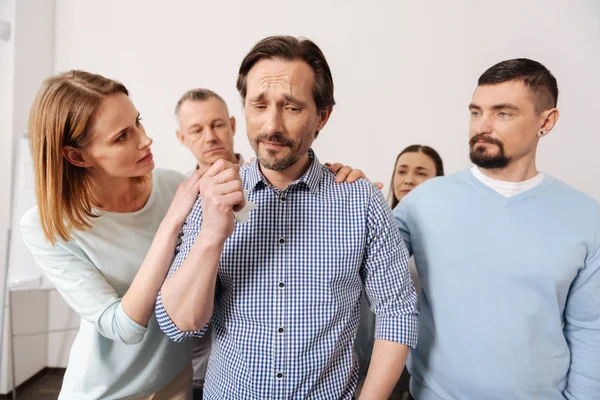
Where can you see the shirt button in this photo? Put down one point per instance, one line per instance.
(281, 241)
(280, 330)
(282, 198)
(281, 284)
(279, 375)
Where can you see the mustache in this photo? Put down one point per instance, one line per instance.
(275, 138)
(484, 138)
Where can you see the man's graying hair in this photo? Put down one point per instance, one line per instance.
(198, 94)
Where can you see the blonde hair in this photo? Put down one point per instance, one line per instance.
(62, 115)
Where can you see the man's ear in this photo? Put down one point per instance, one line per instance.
(180, 137)
(550, 118)
(324, 117)
(75, 156)
(232, 122)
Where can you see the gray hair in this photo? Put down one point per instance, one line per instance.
(197, 95)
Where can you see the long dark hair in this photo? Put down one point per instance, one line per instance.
(416, 148)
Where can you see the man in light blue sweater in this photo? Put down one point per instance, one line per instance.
(509, 259)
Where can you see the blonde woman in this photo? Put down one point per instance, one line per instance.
(104, 231)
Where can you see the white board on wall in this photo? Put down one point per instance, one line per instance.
(23, 271)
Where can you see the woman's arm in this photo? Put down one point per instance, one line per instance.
(138, 302)
(88, 292)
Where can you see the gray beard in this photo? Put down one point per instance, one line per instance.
(277, 165)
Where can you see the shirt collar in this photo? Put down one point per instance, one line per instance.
(311, 178)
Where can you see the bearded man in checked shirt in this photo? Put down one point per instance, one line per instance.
(282, 290)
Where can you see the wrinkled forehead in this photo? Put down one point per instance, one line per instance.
(269, 77)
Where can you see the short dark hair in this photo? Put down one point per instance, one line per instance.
(416, 148)
(197, 95)
(534, 75)
(291, 48)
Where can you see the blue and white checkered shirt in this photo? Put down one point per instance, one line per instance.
(289, 285)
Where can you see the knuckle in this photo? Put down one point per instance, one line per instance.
(230, 173)
(220, 163)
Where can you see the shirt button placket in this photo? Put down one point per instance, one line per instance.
(281, 290)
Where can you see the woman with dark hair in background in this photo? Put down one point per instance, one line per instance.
(414, 165)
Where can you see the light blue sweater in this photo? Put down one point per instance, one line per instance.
(500, 276)
(112, 357)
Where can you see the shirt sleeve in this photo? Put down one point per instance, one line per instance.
(388, 286)
(187, 237)
(582, 329)
(80, 283)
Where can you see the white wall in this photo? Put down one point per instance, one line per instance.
(404, 70)
(7, 56)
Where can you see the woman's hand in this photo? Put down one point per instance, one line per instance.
(185, 198)
(346, 173)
